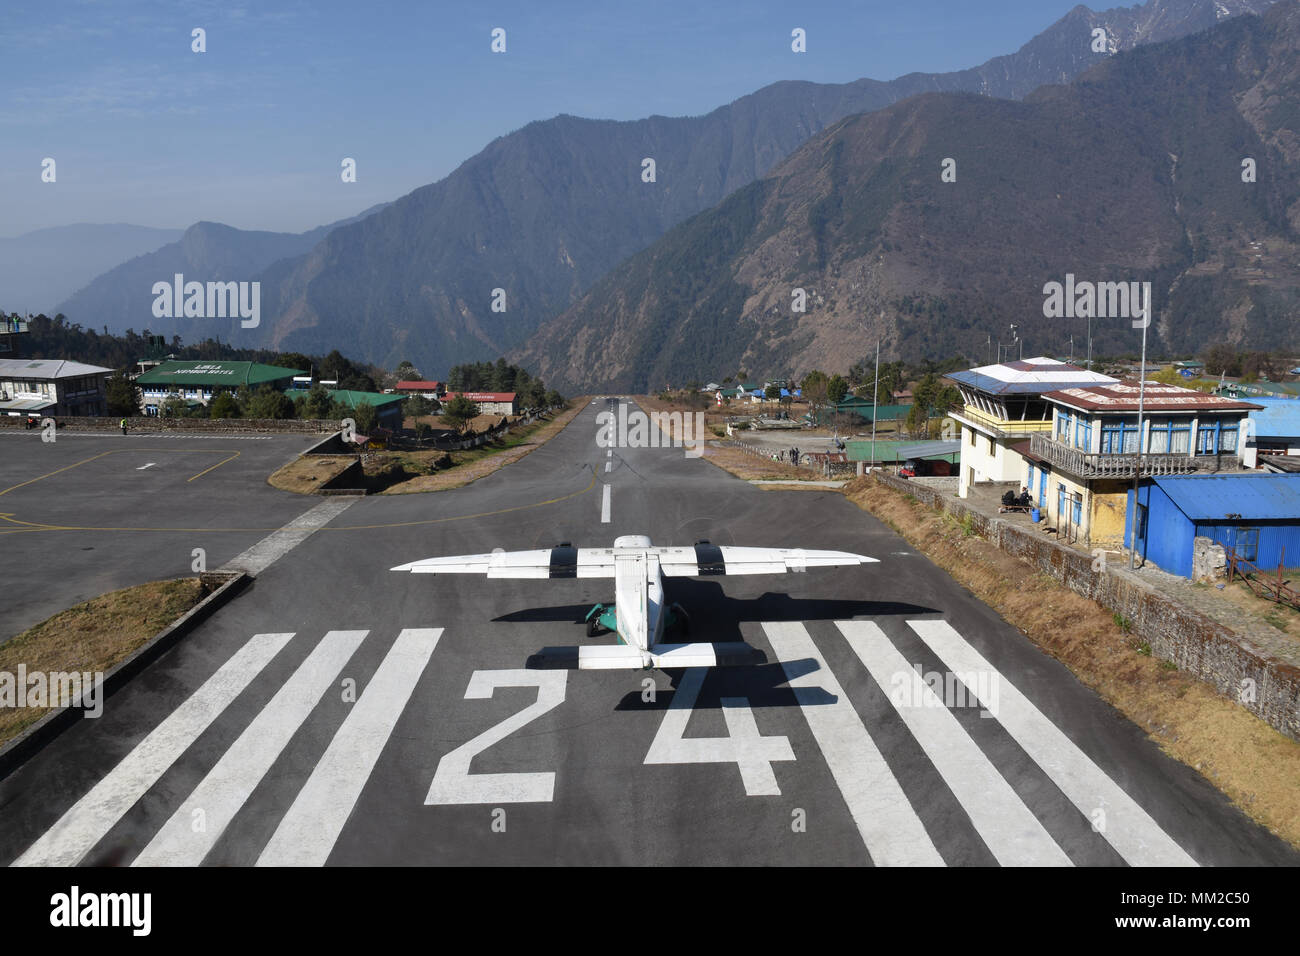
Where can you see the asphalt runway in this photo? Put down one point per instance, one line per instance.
(337, 712)
(69, 510)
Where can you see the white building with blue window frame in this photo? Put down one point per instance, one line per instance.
(1082, 469)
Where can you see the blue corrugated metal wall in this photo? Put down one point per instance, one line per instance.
(1169, 535)
(1278, 541)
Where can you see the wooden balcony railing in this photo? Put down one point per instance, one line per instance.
(1085, 465)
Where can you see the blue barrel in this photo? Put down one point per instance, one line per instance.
(1035, 515)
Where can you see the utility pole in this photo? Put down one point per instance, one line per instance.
(1137, 471)
(875, 405)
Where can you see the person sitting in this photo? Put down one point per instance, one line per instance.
(1009, 498)
(1025, 500)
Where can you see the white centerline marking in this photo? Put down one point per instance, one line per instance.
(890, 828)
(604, 506)
(608, 465)
(1127, 827)
(307, 833)
(1004, 823)
(228, 785)
(150, 465)
(86, 822)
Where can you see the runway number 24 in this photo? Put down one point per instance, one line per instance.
(744, 746)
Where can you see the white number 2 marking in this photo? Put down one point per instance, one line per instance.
(452, 781)
(744, 745)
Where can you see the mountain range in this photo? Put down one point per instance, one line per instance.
(548, 210)
(1133, 172)
(40, 269)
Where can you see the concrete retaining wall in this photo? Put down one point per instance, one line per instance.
(1232, 663)
(222, 586)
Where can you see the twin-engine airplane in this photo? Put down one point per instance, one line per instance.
(639, 615)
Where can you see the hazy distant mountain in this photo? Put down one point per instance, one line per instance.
(1133, 172)
(206, 251)
(545, 211)
(40, 269)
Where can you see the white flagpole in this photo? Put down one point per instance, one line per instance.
(1137, 471)
(875, 404)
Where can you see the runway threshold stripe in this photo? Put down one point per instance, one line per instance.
(1127, 827)
(307, 833)
(890, 828)
(86, 822)
(228, 785)
(1007, 827)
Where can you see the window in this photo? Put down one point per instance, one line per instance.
(1083, 433)
(1062, 427)
(1158, 443)
(1119, 437)
(1170, 438)
(992, 447)
(1246, 543)
(1180, 438)
(1206, 438)
(1227, 437)
(1077, 508)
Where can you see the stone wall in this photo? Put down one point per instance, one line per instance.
(1236, 665)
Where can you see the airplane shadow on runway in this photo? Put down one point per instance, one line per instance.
(716, 618)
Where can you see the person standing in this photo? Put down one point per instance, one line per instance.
(124, 426)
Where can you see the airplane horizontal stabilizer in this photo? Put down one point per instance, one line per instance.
(662, 656)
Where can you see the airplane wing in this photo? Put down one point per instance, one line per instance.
(559, 562)
(704, 560)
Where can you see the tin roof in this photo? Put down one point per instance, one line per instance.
(893, 450)
(1123, 397)
(48, 368)
(216, 373)
(353, 399)
(1279, 418)
(929, 449)
(1028, 376)
(1251, 497)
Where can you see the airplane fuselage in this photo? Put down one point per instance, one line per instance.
(638, 592)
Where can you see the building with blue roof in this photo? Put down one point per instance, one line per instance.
(1002, 405)
(1257, 515)
(1274, 432)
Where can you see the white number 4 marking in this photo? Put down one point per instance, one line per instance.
(744, 745)
(452, 781)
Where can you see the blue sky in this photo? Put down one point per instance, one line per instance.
(252, 132)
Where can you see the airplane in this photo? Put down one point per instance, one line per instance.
(639, 616)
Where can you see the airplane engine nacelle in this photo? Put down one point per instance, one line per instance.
(632, 541)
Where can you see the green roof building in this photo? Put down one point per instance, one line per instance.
(388, 408)
(200, 381)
